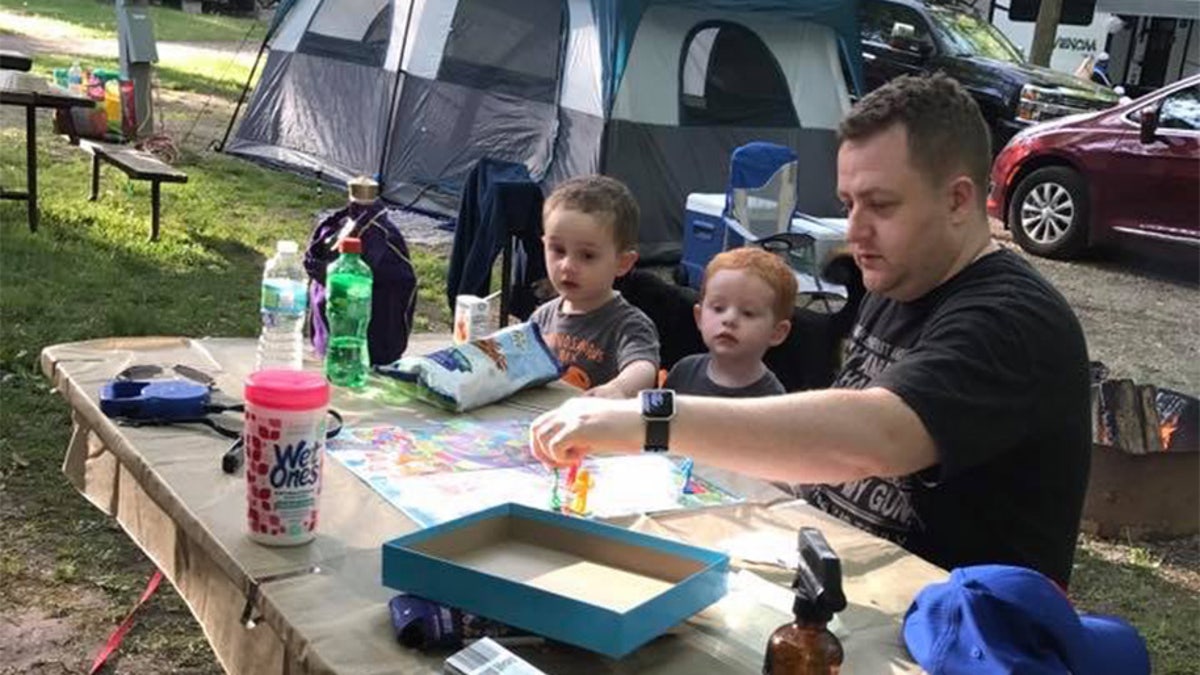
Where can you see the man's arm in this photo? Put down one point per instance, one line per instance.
(633, 378)
(827, 436)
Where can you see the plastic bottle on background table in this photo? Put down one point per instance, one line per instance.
(348, 307)
(75, 79)
(284, 300)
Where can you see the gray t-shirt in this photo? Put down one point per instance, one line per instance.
(594, 347)
(690, 376)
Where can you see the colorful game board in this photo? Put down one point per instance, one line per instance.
(459, 445)
(439, 473)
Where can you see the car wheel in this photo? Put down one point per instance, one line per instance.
(1048, 214)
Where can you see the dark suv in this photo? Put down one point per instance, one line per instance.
(901, 37)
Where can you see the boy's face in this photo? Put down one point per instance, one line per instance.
(736, 318)
(582, 258)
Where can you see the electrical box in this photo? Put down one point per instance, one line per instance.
(136, 32)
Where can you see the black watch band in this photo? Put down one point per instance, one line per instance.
(658, 436)
(658, 409)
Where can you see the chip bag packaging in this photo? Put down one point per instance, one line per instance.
(473, 374)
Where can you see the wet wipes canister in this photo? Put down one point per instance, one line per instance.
(284, 439)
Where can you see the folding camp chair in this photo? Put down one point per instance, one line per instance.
(760, 205)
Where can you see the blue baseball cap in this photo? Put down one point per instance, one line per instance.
(1000, 619)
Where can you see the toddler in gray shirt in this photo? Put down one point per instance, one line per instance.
(745, 308)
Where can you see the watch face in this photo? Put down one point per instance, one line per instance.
(658, 404)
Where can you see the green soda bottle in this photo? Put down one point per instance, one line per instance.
(348, 308)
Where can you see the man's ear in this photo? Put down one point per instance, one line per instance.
(780, 333)
(625, 262)
(963, 197)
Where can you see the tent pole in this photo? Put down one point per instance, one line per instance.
(387, 132)
(242, 97)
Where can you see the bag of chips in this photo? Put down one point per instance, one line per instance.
(473, 374)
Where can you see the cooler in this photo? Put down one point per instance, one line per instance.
(703, 234)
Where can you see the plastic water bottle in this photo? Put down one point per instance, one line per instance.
(348, 307)
(284, 300)
(75, 79)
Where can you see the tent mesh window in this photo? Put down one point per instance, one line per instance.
(504, 47)
(356, 31)
(728, 77)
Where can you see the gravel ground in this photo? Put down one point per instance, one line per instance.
(1139, 310)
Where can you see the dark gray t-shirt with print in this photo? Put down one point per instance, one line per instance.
(690, 376)
(594, 347)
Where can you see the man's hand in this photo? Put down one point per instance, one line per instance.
(582, 426)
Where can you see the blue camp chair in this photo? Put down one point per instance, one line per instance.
(760, 205)
(761, 196)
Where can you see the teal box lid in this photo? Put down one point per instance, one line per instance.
(586, 583)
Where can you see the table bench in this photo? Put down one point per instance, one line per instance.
(138, 165)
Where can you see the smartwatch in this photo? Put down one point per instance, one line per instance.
(658, 409)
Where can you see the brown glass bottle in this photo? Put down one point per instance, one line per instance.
(806, 646)
(799, 648)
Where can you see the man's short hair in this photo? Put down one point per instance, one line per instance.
(946, 132)
(599, 196)
(765, 266)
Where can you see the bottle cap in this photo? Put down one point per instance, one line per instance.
(363, 189)
(287, 390)
(351, 245)
(286, 246)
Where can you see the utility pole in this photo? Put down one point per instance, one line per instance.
(1045, 32)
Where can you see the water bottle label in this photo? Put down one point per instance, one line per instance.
(284, 296)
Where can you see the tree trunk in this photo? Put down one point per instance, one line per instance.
(1045, 32)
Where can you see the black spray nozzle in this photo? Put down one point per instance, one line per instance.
(818, 583)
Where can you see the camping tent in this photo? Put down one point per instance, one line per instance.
(656, 93)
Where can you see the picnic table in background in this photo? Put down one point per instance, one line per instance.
(31, 98)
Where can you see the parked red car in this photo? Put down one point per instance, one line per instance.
(1104, 177)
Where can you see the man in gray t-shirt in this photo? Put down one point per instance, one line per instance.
(595, 347)
(690, 376)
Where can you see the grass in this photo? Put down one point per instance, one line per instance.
(98, 19)
(1133, 587)
(221, 75)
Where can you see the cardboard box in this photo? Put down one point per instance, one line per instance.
(577, 581)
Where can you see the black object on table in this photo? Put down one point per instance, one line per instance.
(31, 101)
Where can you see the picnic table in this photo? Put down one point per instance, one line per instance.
(320, 608)
(32, 99)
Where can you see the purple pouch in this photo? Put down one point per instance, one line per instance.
(394, 293)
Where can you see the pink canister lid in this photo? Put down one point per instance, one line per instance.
(287, 390)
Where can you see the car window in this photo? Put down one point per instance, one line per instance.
(965, 34)
(1181, 110)
(875, 21)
